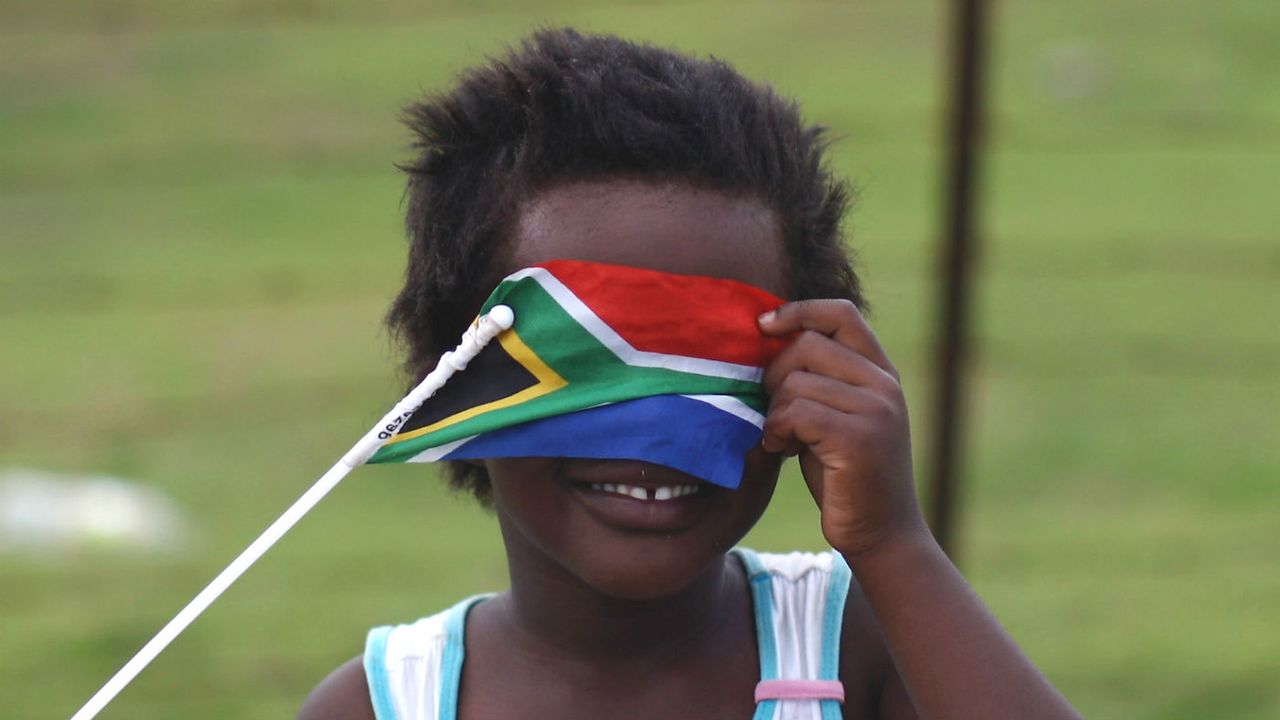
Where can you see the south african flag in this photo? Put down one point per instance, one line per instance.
(607, 362)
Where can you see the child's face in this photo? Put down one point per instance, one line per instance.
(621, 546)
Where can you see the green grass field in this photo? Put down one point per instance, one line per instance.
(199, 219)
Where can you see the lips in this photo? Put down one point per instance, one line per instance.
(638, 496)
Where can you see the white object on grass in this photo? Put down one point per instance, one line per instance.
(477, 336)
(49, 513)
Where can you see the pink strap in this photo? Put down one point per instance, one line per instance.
(799, 690)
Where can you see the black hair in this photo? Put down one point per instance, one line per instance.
(566, 107)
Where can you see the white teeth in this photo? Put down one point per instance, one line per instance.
(666, 492)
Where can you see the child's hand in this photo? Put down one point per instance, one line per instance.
(837, 402)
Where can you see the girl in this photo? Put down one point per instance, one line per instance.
(622, 605)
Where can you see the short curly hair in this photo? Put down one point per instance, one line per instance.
(567, 107)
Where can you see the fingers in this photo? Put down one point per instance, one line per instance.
(836, 319)
(831, 383)
(816, 353)
(838, 395)
(809, 409)
(802, 423)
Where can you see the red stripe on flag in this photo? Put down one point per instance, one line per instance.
(688, 315)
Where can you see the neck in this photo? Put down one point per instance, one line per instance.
(551, 612)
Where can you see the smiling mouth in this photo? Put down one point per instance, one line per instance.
(639, 496)
(661, 493)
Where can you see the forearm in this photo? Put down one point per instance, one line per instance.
(952, 655)
(837, 400)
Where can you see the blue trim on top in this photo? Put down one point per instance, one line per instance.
(833, 616)
(375, 671)
(455, 633)
(832, 624)
(766, 639)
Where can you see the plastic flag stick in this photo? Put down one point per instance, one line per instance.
(477, 336)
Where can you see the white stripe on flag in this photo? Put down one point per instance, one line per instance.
(436, 453)
(731, 405)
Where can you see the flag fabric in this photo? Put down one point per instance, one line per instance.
(607, 362)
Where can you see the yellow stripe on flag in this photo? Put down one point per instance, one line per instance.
(548, 381)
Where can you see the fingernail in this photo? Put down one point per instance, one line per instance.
(768, 317)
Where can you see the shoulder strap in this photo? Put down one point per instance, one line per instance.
(832, 625)
(833, 616)
(825, 687)
(444, 664)
(375, 672)
(455, 628)
(766, 639)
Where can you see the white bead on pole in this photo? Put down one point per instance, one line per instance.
(499, 318)
(487, 327)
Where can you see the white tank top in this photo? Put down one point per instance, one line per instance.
(414, 670)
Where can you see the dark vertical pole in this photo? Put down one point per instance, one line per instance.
(956, 257)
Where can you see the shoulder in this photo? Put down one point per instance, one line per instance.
(343, 695)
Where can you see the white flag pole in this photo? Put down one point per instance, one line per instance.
(477, 336)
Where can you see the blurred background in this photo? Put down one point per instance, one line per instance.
(200, 222)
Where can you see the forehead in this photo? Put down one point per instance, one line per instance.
(669, 227)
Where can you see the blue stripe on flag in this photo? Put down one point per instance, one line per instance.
(672, 430)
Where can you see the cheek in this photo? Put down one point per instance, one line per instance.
(520, 468)
(759, 480)
(535, 512)
(760, 471)
(523, 487)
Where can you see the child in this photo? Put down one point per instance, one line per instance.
(595, 149)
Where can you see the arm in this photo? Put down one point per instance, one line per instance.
(344, 695)
(837, 402)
